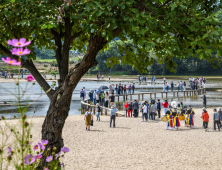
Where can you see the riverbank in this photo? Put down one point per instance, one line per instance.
(137, 145)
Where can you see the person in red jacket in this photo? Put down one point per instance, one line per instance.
(205, 118)
(165, 106)
(126, 107)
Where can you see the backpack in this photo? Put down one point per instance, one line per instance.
(89, 94)
(130, 106)
(216, 116)
(133, 87)
(99, 109)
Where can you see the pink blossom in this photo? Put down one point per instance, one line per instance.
(30, 78)
(39, 156)
(41, 146)
(10, 61)
(29, 159)
(49, 159)
(20, 51)
(65, 149)
(36, 147)
(44, 142)
(19, 43)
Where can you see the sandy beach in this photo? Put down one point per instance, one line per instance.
(138, 145)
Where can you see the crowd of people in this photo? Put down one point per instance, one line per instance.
(6, 75)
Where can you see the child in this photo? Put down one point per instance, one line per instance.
(98, 112)
(205, 118)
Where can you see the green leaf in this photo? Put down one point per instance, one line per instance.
(173, 6)
(161, 1)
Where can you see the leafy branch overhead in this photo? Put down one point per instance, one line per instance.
(167, 27)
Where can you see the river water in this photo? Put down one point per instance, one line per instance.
(41, 101)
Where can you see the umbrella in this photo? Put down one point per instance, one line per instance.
(103, 88)
(98, 91)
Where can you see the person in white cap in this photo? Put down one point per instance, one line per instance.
(113, 115)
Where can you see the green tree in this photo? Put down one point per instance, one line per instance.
(170, 27)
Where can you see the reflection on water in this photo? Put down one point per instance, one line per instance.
(40, 106)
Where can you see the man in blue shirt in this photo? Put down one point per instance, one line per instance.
(113, 115)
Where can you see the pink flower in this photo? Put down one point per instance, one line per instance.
(10, 61)
(44, 142)
(20, 51)
(62, 164)
(29, 159)
(30, 78)
(39, 156)
(36, 147)
(9, 150)
(19, 43)
(46, 169)
(65, 149)
(41, 146)
(49, 159)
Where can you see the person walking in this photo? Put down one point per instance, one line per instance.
(204, 101)
(172, 86)
(205, 118)
(216, 119)
(112, 100)
(158, 108)
(135, 108)
(130, 108)
(184, 85)
(113, 115)
(144, 111)
(165, 106)
(88, 118)
(129, 89)
(133, 87)
(97, 98)
(167, 86)
(153, 110)
(102, 98)
(164, 87)
(91, 96)
(124, 88)
(126, 105)
(116, 88)
(94, 97)
(220, 112)
(178, 86)
(181, 86)
(82, 94)
(154, 79)
(149, 111)
(107, 99)
(98, 112)
(109, 77)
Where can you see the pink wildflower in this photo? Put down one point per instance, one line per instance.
(36, 147)
(29, 159)
(44, 142)
(10, 61)
(20, 51)
(30, 77)
(49, 159)
(65, 149)
(39, 156)
(19, 43)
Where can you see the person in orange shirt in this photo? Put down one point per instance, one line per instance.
(205, 118)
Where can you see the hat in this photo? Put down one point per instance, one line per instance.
(219, 109)
(204, 108)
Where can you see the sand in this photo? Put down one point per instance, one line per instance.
(138, 145)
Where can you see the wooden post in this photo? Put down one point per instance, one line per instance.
(184, 93)
(190, 93)
(101, 110)
(138, 97)
(126, 97)
(142, 96)
(155, 95)
(105, 111)
(130, 97)
(177, 94)
(174, 94)
(150, 95)
(161, 94)
(187, 93)
(166, 94)
(118, 98)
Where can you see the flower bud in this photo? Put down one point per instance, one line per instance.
(54, 148)
(9, 158)
(17, 83)
(26, 124)
(18, 150)
(24, 117)
(11, 130)
(30, 136)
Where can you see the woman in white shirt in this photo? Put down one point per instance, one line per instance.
(106, 99)
(88, 118)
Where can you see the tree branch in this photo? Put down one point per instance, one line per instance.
(10, 26)
(76, 35)
(28, 64)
